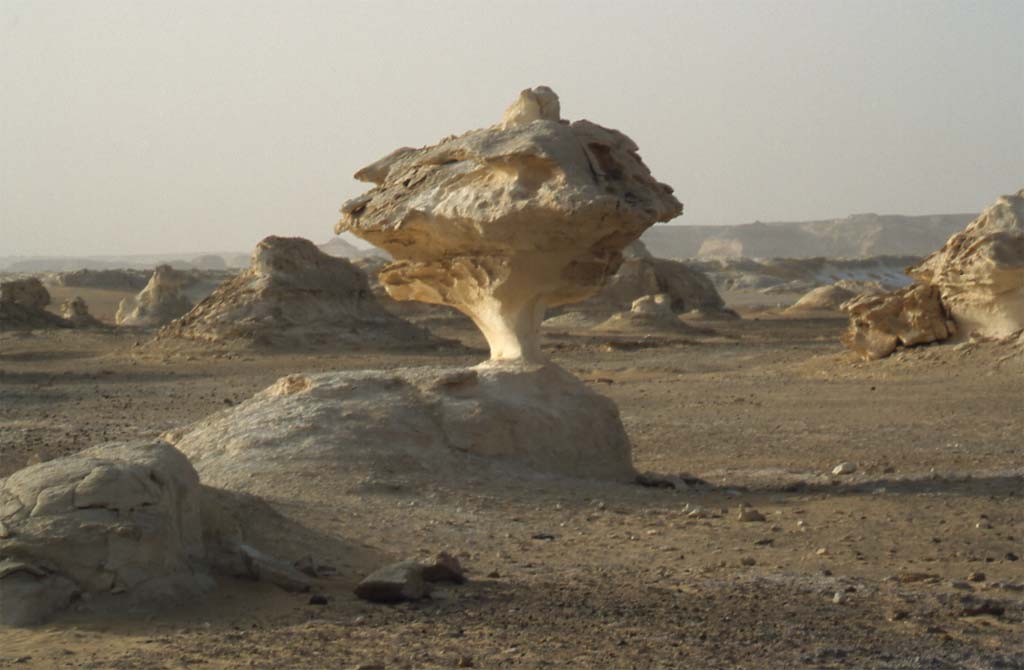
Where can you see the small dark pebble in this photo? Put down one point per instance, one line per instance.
(1010, 556)
(542, 536)
(317, 599)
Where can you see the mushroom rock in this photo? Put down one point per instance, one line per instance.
(881, 322)
(118, 520)
(980, 271)
(294, 294)
(503, 222)
(76, 312)
(158, 303)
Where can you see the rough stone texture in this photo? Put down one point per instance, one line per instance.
(394, 583)
(880, 323)
(115, 519)
(647, 314)
(293, 294)
(76, 312)
(641, 275)
(980, 271)
(160, 302)
(28, 292)
(822, 299)
(429, 422)
(505, 221)
(22, 306)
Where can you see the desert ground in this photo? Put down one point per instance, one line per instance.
(911, 561)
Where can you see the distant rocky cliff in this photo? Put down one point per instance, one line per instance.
(855, 236)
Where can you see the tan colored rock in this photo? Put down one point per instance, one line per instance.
(28, 292)
(647, 314)
(980, 271)
(293, 294)
(880, 323)
(77, 313)
(434, 423)
(160, 302)
(503, 222)
(23, 306)
(822, 299)
(120, 520)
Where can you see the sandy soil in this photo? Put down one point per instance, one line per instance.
(868, 570)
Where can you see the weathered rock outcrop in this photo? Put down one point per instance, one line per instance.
(647, 314)
(160, 302)
(76, 312)
(972, 286)
(23, 306)
(293, 294)
(28, 292)
(505, 221)
(822, 299)
(641, 274)
(416, 422)
(980, 271)
(120, 520)
(881, 322)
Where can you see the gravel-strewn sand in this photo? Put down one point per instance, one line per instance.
(761, 412)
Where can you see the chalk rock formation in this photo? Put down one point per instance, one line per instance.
(293, 294)
(119, 519)
(648, 314)
(822, 299)
(76, 312)
(505, 221)
(881, 322)
(980, 271)
(438, 423)
(160, 302)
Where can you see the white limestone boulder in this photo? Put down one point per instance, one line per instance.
(436, 423)
(822, 299)
(980, 271)
(161, 301)
(295, 295)
(117, 520)
(503, 222)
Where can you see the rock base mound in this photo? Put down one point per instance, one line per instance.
(435, 423)
(293, 294)
(116, 520)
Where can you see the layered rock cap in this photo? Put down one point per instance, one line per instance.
(503, 222)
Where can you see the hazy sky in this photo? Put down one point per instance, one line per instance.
(176, 126)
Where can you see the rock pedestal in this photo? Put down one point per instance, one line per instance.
(503, 222)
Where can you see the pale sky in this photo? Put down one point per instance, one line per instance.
(176, 126)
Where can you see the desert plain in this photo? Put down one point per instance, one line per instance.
(909, 561)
